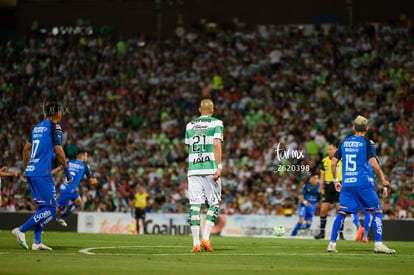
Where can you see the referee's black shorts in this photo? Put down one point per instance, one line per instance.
(139, 213)
(331, 195)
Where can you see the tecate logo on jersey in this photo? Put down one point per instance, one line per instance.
(75, 166)
(352, 144)
(39, 130)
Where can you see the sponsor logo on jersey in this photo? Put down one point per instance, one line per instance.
(353, 144)
(39, 129)
(42, 215)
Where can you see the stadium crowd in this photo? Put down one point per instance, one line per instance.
(277, 89)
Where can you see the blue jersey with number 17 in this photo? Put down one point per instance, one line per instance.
(355, 152)
(45, 135)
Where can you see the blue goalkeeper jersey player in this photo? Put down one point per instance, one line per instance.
(78, 168)
(308, 198)
(43, 145)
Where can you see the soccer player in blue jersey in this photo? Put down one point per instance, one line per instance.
(78, 168)
(356, 187)
(308, 200)
(44, 143)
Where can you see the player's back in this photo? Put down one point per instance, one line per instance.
(199, 135)
(77, 169)
(42, 151)
(355, 156)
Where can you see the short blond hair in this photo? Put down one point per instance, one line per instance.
(360, 124)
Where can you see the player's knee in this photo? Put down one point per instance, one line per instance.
(377, 214)
(324, 208)
(342, 214)
(194, 218)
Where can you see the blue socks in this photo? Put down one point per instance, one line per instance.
(295, 230)
(38, 229)
(355, 219)
(40, 218)
(367, 223)
(299, 226)
(69, 210)
(336, 226)
(377, 226)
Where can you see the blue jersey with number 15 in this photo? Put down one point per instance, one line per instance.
(355, 152)
(45, 135)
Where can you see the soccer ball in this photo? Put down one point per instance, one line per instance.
(279, 230)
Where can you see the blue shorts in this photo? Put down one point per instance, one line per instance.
(43, 190)
(352, 198)
(306, 212)
(65, 195)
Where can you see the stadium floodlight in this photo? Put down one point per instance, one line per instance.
(55, 30)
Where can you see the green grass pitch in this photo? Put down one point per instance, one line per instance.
(76, 253)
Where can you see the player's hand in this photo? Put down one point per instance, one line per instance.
(69, 177)
(386, 189)
(338, 186)
(24, 179)
(385, 183)
(217, 174)
(385, 192)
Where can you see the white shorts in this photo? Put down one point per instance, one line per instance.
(204, 188)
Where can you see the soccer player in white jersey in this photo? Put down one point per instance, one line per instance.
(204, 136)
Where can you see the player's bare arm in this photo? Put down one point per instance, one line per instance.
(302, 200)
(333, 169)
(26, 155)
(322, 183)
(217, 157)
(61, 157)
(5, 173)
(57, 170)
(378, 172)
